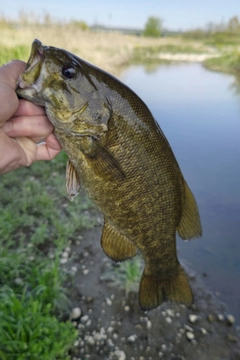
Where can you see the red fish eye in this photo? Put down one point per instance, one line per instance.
(68, 71)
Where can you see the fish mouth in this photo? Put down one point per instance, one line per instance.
(29, 83)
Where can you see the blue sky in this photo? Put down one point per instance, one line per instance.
(183, 14)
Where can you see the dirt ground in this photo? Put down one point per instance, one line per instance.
(112, 326)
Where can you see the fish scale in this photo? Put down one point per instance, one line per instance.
(119, 154)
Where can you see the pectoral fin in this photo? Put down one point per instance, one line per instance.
(72, 181)
(115, 245)
(190, 225)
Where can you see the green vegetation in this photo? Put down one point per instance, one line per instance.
(127, 274)
(151, 53)
(153, 27)
(10, 53)
(228, 63)
(36, 219)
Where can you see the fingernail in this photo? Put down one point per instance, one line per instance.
(7, 127)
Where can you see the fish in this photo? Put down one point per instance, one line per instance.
(118, 153)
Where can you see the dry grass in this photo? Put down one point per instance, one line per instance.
(109, 51)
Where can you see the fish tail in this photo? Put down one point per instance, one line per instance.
(154, 289)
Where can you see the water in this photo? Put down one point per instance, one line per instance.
(199, 112)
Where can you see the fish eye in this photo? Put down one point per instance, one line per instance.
(68, 71)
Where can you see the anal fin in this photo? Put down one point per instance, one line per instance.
(115, 245)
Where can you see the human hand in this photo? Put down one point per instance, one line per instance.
(22, 125)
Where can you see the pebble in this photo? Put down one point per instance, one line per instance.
(220, 317)
(120, 354)
(75, 313)
(89, 340)
(126, 308)
(230, 320)
(190, 336)
(193, 318)
(84, 318)
(203, 331)
(168, 320)
(85, 271)
(76, 343)
(108, 301)
(149, 324)
(64, 254)
(164, 347)
(188, 328)
(170, 313)
(67, 249)
(132, 338)
(74, 269)
(210, 318)
(63, 260)
(110, 343)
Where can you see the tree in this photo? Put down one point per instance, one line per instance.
(233, 24)
(153, 27)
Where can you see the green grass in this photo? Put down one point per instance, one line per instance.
(127, 274)
(36, 218)
(228, 63)
(7, 54)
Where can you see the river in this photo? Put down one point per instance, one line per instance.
(199, 112)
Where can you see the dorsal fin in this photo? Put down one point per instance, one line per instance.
(190, 225)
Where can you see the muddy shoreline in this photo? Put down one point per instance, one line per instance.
(112, 326)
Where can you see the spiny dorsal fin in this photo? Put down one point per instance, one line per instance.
(190, 225)
(72, 181)
(115, 245)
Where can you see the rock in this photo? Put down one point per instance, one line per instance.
(120, 355)
(76, 343)
(126, 308)
(63, 261)
(64, 254)
(220, 317)
(108, 301)
(132, 338)
(210, 318)
(230, 320)
(85, 271)
(188, 328)
(164, 347)
(84, 318)
(149, 324)
(203, 331)
(193, 318)
(89, 340)
(190, 336)
(168, 320)
(75, 313)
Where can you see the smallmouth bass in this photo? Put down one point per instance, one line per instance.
(119, 154)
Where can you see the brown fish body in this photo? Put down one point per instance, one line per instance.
(121, 157)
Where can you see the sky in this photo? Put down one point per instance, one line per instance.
(176, 15)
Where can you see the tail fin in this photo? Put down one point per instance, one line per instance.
(154, 290)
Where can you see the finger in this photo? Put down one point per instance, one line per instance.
(8, 79)
(49, 150)
(31, 126)
(27, 108)
(10, 72)
(12, 156)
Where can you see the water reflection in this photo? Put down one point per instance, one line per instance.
(199, 112)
